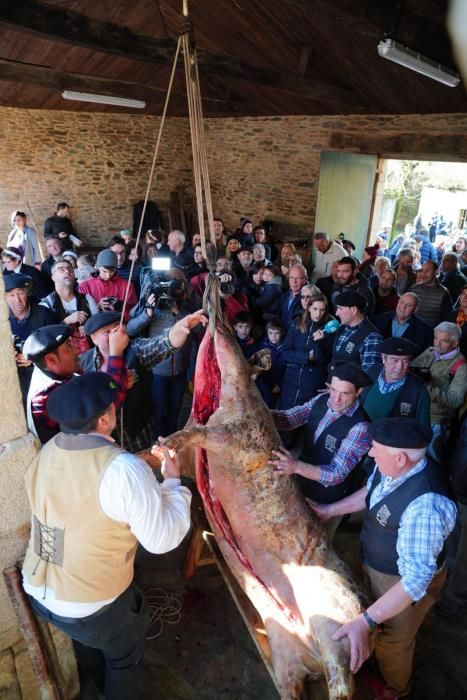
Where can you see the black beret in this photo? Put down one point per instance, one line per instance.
(45, 340)
(245, 249)
(14, 280)
(400, 432)
(347, 242)
(75, 403)
(99, 320)
(351, 298)
(350, 372)
(399, 346)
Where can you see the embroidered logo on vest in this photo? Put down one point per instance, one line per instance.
(405, 408)
(349, 347)
(382, 516)
(330, 443)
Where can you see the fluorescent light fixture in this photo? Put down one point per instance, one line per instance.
(420, 64)
(102, 99)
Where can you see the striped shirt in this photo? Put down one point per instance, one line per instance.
(424, 526)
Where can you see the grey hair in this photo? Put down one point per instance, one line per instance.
(453, 331)
(259, 246)
(415, 454)
(321, 236)
(179, 235)
(406, 251)
(412, 294)
(316, 291)
(302, 268)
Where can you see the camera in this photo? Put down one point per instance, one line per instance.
(226, 287)
(116, 303)
(165, 291)
(17, 343)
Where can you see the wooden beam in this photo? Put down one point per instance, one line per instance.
(453, 146)
(74, 28)
(18, 72)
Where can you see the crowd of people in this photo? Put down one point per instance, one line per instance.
(366, 382)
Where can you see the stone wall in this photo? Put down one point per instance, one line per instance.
(98, 163)
(262, 167)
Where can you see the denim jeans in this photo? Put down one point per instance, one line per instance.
(109, 645)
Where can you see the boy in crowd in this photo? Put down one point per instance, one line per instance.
(243, 325)
(269, 383)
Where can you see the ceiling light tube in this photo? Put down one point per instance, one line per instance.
(103, 99)
(421, 64)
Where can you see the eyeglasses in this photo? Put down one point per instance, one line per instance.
(306, 296)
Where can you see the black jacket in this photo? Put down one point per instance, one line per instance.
(419, 332)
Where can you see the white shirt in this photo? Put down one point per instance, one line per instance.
(324, 261)
(158, 516)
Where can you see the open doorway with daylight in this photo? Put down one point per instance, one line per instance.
(415, 196)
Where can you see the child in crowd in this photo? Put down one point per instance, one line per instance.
(269, 383)
(243, 325)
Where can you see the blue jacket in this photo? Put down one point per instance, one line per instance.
(427, 250)
(269, 301)
(418, 331)
(288, 313)
(302, 378)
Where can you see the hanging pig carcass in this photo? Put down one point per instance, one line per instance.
(273, 544)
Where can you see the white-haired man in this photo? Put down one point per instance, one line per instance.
(182, 257)
(445, 369)
(408, 518)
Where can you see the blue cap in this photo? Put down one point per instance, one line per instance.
(74, 404)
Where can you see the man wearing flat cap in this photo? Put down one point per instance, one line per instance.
(395, 390)
(335, 439)
(24, 317)
(55, 362)
(357, 340)
(141, 356)
(91, 504)
(409, 515)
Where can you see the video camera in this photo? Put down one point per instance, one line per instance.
(166, 291)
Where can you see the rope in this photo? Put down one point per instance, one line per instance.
(151, 174)
(165, 609)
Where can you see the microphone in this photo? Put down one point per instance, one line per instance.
(331, 326)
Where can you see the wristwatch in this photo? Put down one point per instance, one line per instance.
(369, 620)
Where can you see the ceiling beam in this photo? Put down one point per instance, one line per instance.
(43, 76)
(61, 25)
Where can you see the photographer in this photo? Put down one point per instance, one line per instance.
(163, 302)
(106, 287)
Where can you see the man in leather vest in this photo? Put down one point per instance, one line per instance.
(335, 439)
(357, 340)
(395, 390)
(78, 571)
(408, 518)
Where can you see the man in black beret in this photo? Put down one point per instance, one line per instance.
(55, 361)
(395, 390)
(91, 504)
(357, 340)
(408, 518)
(140, 357)
(335, 439)
(24, 317)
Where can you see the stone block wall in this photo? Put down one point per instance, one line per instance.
(98, 163)
(261, 167)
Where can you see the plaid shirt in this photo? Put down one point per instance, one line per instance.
(423, 528)
(45, 426)
(370, 354)
(351, 450)
(386, 387)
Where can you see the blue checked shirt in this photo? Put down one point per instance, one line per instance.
(423, 528)
(370, 354)
(352, 448)
(386, 387)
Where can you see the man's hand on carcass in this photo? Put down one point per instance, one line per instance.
(358, 632)
(118, 340)
(285, 462)
(169, 463)
(181, 330)
(322, 510)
